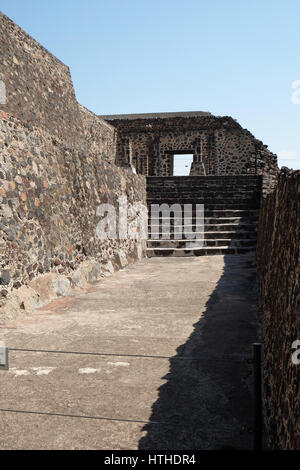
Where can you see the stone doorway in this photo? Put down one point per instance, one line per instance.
(182, 164)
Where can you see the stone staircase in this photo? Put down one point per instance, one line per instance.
(231, 209)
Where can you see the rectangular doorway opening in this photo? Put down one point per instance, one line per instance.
(182, 164)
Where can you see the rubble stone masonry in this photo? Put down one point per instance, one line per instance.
(57, 164)
(219, 145)
(278, 258)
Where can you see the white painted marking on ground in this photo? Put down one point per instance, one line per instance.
(43, 370)
(119, 364)
(33, 370)
(19, 372)
(88, 370)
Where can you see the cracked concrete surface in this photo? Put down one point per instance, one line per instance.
(203, 308)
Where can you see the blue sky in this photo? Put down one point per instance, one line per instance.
(233, 57)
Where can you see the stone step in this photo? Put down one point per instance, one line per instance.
(192, 244)
(210, 212)
(201, 199)
(207, 227)
(200, 196)
(196, 208)
(231, 220)
(207, 220)
(248, 235)
(218, 213)
(200, 181)
(231, 211)
(182, 195)
(206, 179)
(197, 194)
(212, 204)
(205, 251)
(157, 189)
(203, 187)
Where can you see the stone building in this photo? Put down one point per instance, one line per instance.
(219, 145)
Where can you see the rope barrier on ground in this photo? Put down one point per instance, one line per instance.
(100, 418)
(103, 418)
(146, 356)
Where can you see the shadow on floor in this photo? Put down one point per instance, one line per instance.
(206, 403)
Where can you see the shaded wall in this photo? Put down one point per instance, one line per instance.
(278, 258)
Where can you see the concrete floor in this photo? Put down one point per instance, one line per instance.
(203, 308)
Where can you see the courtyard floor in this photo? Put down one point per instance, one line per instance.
(174, 341)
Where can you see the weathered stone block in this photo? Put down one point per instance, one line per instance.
(62, 287)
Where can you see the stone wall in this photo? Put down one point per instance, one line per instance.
(57, 164)
(220, 146)
(39, 87)
(40, 93)
(96, 136)
(49, 194)
(278, 258)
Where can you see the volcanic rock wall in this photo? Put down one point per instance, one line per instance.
(57, 165)
(220, 146)
(39, 87)
(278, 258)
